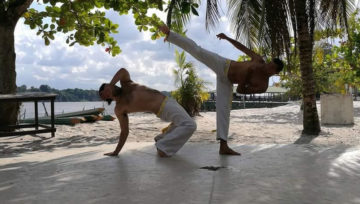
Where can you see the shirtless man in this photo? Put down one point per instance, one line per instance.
(132, 97)
(251, 76)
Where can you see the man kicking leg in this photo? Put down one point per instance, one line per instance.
(251, 76)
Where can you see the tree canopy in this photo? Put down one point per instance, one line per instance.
(84, 21)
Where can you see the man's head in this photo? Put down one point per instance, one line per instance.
(279, 64)
(105, 93)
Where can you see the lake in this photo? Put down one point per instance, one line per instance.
(27, 109)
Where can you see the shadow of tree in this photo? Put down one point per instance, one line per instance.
(274, 118)
(305, 139)
(77, 141)
(264, 174)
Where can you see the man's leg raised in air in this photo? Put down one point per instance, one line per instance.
(212, 60)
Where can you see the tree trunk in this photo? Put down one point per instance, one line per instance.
(311, 122)
(8, 111)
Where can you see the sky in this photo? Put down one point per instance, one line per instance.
(149, 62)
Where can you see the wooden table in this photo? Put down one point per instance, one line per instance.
(26, 97)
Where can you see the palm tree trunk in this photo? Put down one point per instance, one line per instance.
(169, 15)
(311, 122)
(8, 111)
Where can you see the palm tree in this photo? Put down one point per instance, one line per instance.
(270, 24)
(191, 89)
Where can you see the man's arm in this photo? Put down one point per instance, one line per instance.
(122, 75)
(240, 46)
(124, 125)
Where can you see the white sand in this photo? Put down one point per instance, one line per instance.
(280, 125)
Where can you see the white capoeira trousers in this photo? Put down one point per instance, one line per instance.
(224, 88)
(181, 128)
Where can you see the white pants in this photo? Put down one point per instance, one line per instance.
(181, 129)
(224, 88)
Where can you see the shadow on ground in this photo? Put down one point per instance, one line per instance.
(264, 174)
(274, 118)
(8, 149)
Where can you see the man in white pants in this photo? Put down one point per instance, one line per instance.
(132, 97)
(251, 77)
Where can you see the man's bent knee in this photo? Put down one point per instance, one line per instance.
(191, 126)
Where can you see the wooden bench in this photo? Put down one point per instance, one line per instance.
(26, 97)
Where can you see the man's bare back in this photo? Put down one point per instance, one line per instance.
(138, 98)
(249, 75)
(130, 98)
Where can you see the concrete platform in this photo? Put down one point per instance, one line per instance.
(263, 174)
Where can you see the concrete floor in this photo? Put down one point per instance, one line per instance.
(263, 174)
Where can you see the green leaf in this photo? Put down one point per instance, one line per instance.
(185, 7)
(51, 37)
(193, 10)
(53, 2)
(47, 41)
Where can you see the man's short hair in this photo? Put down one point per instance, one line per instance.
(279, 63)
(102, 87)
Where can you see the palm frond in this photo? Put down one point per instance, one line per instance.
(245, 18)
(212, 14)
(261, 23)
(176, 20)
(334, 13)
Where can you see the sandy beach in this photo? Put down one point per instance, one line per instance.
(279, 125)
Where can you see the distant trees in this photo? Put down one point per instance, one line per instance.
(64, 95)
(336, 66)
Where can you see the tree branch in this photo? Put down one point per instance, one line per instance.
(2, 7)
(19, 7)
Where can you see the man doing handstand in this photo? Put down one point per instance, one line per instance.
(251, 76)
(132, 97)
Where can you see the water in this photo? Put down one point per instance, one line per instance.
(28, 109)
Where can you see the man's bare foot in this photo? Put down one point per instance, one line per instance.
(165, 30)
(226, 150)
(161, 153)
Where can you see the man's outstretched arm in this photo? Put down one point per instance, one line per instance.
(122, 75)
(124, 125)
(239, 46)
